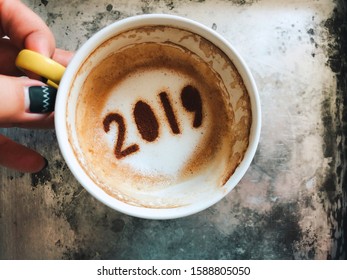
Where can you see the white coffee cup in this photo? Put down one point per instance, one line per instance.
(190, 197)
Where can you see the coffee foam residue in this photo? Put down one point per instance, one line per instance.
(219, 144)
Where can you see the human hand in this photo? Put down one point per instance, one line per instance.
(22, 28)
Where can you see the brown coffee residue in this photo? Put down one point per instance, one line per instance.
(191, 100)
(169, 112)
(146, 121)
(118, 151)
(205, 101)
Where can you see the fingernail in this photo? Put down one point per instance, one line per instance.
(40, 99)
(41, 174)
(42, 169)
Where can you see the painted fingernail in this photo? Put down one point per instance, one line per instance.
(40, 99)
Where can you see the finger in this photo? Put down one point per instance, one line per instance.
(8, 54)
(62, 56)
(25, 28)
(20, 158)
(46, 123)
(15, 111)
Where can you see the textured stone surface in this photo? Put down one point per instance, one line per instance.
(291, 204)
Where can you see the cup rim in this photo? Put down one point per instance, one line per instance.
(63, 95)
